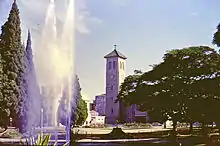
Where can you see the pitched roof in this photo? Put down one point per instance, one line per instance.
(115, 53)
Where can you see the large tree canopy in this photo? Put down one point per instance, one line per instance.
(174, 86)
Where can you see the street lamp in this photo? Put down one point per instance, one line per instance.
(42, 121)
(42, 118)
(10, 122)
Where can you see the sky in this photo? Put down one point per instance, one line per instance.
(143, 30)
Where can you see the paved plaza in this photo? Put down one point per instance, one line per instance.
(109, 129)
(92, 131)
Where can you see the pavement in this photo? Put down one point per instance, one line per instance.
(116, 140)
(109, 129)
(97, 131)
(17, 141)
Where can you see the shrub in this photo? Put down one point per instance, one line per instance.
(97, 126)
(137, 125)
(11, 133)
(41, 141)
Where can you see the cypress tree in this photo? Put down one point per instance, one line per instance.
(13, 66)
(33, 98)
(78, 106)
(4, 111)
(21, 115)
(216, 37)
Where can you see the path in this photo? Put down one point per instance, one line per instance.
(108, 130)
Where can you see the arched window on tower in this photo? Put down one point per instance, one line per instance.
(112, 110)
(109, 65)
(114, 64)
(120, 65)
(123, 65)
(112, 87)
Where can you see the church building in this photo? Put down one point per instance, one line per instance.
(115, 75)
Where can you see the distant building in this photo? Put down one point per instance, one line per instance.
(92, 106)
(100, 102)
(140, 116)
(132, 114)
(96, 119)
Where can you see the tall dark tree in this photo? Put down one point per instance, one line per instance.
(81, 113)
(216, 36)
(4, 110)
(32, 98)
(13, 66)
(21, 119)
(78, 106)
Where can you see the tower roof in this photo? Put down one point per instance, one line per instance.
(115, 53)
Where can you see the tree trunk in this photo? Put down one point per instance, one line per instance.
(205, 133)
(191, 127)
(164, 125)
(174, 127)
(217, 126)
(204, 129)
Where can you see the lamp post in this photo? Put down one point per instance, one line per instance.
(10, 122)
(42, 118)
(68, 121)
(42, 121)
(117, 122)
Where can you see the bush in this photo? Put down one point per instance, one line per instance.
(137, 125)
(96, 126)
(74, 136)
(41, 141)
(11, 133)
(117, 133)
(182, 125)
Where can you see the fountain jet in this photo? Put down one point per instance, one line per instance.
(67, 40)
(56, 68)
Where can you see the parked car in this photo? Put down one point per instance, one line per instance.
(156, 124)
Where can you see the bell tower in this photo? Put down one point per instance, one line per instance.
(115, 74)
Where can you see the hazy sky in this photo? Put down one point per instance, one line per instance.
(143, 30)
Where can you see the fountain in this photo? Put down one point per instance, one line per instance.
(68, 40)
(56, 68)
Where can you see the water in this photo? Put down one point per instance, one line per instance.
(60, 67)
(68, 40)
(57, 66)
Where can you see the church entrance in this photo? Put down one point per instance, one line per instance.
(140, 119)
